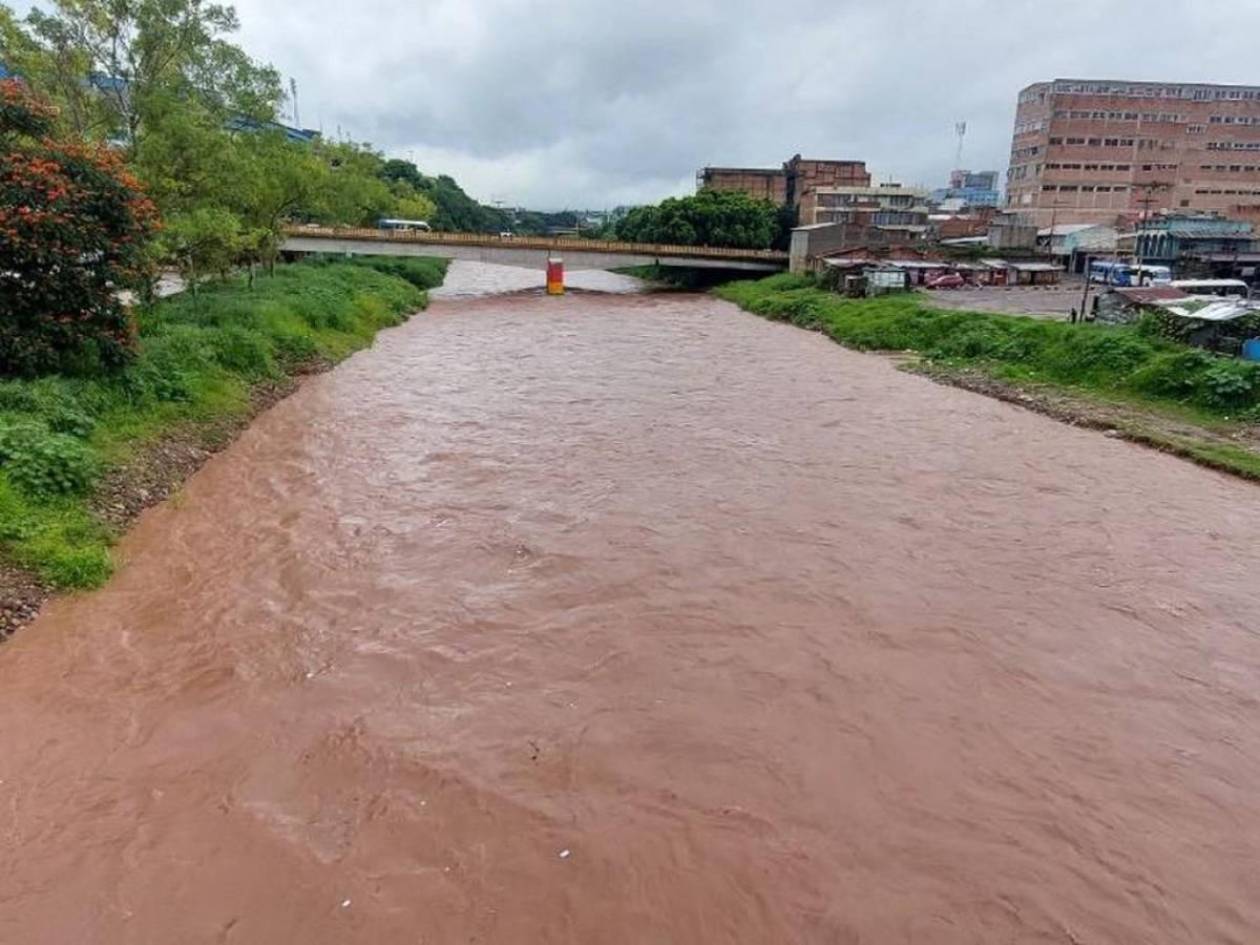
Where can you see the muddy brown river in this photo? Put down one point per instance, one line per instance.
(631, 618)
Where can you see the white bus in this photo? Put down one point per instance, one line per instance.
(1225, 288)
(404, 226)
(1112, 272)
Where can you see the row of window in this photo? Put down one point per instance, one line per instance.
(1085, 188)
(1230, 193)
(1096, 167)
(1026, 127)
(1198, 94)
(1233, 120)
(1233, 145)
(1095, 142)
(1231, 168)
(1020, 153)
(1076, 114)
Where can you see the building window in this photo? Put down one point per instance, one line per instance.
(1194, 129)
(1185, 203)
(1054, 141)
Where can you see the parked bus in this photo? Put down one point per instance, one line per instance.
(1225, 288)
(404, 226)
(1112, 272)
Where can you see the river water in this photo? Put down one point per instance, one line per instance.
(631, 618)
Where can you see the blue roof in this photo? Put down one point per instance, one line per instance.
(245, 123)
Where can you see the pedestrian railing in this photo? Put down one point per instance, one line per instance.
(553, 244)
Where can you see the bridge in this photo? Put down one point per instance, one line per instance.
(527, 252)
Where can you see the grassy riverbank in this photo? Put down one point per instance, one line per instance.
(76, 453)
(1129, 379)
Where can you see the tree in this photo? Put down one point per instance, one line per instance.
(204, 240)
(454, 211)
(134, 53)
(710, 218)
(75, 229)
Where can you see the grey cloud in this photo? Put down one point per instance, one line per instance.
(588, 103)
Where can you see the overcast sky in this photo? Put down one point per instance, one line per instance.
(589, 104)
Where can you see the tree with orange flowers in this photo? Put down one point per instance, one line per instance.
(74, 231)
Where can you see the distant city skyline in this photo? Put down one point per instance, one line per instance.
(593, 105)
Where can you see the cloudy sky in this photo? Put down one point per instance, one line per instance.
(593, 103)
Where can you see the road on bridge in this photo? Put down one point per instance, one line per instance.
(635, 618)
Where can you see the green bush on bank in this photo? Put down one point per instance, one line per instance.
(1135, 361)
(198, 359)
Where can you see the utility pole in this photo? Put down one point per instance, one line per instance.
(297, 118)
(1139, 244)
(1085, 294)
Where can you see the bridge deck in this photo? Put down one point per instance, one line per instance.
(527, 251)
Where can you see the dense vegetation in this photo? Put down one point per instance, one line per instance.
(198, 359)
(710, 218)
(1136, 362)
(74, 228)
(135, 136)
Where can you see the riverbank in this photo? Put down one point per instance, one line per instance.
(1126, 381)
(80, 458)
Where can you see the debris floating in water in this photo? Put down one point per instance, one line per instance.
(565, 854)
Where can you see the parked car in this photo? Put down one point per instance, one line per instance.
(946, 280)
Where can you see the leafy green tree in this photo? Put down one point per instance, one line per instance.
(203, 241)
(710, 218)
(132, 54)
(74, 229)
(454, 210)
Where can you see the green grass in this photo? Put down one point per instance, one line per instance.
(1133, 362)
(198, 360)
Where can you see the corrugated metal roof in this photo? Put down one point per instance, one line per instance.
(1035, 267)
(1148, 294)
(1193, 232)
(1066, 229)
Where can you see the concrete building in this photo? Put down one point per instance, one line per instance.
(1087, 151)
(1073, 243)
(968, 189)
(1179, 239)
(890, 207)
(794, 184)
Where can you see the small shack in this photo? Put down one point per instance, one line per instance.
(1122, 306)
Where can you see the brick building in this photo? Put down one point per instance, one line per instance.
(761, 183)
(794, 184)
(1086, 151)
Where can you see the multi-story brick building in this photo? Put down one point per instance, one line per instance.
(795, 184)
(1087, 151)
(760, 183)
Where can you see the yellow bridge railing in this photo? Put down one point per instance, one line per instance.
(553, 244)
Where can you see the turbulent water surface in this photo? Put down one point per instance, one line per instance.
(630, 618)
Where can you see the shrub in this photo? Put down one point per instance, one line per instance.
(44, 464)
(242, 351)
(1229, 384)
(73, 229)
